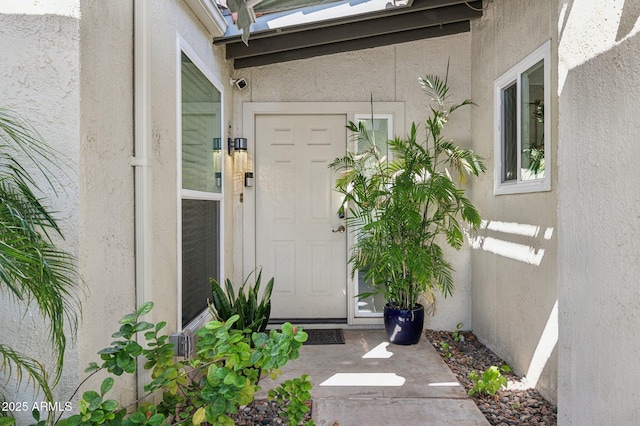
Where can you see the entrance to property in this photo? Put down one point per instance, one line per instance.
(300, 239)
(289, 214)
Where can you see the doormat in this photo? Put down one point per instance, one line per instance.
(324, 336)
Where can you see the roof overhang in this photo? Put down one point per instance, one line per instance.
(418, 20)
(209, 15)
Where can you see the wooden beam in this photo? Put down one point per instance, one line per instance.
(350, 45)
(342, 33)
(416, 5)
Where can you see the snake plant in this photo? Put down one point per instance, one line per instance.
(254, 315)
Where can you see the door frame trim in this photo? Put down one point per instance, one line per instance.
(248, 205)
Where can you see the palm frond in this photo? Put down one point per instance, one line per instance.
(436, 88)
(16, 363)
(397, 208)
(32, 268)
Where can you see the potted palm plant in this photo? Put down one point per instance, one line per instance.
(401, 206)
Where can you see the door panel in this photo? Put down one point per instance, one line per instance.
(296, 211)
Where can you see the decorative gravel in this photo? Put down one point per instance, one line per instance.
(511, 406)
(262, 412)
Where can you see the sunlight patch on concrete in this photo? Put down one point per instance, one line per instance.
(364, 379)
(379, 351)
(444, 384)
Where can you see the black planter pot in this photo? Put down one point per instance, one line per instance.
(403, 326)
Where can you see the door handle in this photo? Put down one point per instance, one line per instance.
(340, 229)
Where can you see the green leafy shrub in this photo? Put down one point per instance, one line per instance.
(252, 315)
(490, 382)
(447, 349)
(294, 394)
(222, 376)
(457, 334)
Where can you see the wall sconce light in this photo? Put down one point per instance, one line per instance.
(237, 144)
(230, 146)
(240, 144)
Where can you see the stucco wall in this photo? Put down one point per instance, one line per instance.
(40, 63)
(513, 300)
(69, 69)
(598, 213)
(106, 245)
(388, 73)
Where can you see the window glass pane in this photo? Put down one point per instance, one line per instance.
(532, 136)
(201, 131)
(379, 133)
(509, 133)
(200, 254)
(371, 304)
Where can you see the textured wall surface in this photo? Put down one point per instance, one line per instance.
(598, 211)
(106, 226)
(71, 78)
(387, 73)
(513, 300)
(68, 67)
(40, 74)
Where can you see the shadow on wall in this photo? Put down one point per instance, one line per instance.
(512, 250)
(629, 18)
(524, 251)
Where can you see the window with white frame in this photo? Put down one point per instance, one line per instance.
(380, 129)
(201, 161)
(522, 135)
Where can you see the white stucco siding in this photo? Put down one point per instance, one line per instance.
(598, 212)
(69, 69)
(388, 73)
(514, 263)
(41, 69)
(106, 196)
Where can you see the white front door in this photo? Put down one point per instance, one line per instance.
(298, 238)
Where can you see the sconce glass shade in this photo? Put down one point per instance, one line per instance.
(240, 144)
(217, 144)
(237, 144)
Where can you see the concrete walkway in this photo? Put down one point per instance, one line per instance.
(368, 381)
